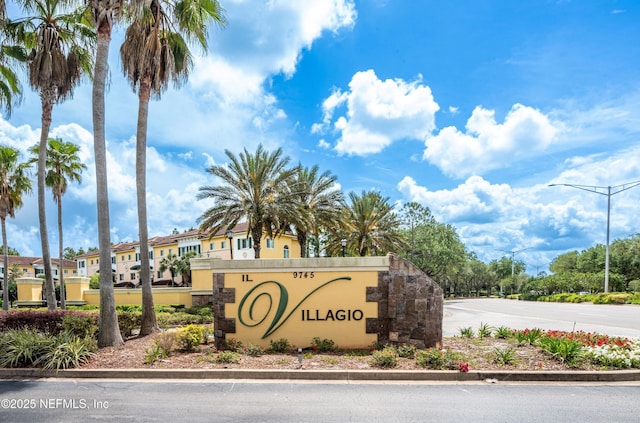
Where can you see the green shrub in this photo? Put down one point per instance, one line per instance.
(323, 345)
(232, 344)
(503, 332)
(204, 311)
(227, 357)
(527, 336)
(254, 350)
(467, 332)
(23, 347)
(128, 307)
(436, 359)
(154, 353)
(179, 318)
(484, 331)
(67, 351)
(94, 281)
(128, 321)
(406, 351)
(190, 337)
(386, 358)
(504, 356)
(280, 346)
(44, 321)
(566, 350)
(81, 326)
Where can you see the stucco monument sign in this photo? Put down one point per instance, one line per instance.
(351, 301)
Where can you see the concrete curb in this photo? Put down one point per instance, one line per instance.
(330, 375)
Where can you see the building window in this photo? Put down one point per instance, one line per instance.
(113, 260)
(133, 276)
(122, 257)
(271, 243)
(161, 253)
(121, 276)
(92, 262)
(150, 255)
(129, 257)
(170, 251)
(159, 274)
(286, 251)
(183, 250)
(212, 246)
(223, 244)
(243, 244)
(137, 256)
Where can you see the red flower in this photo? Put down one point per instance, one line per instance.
(463, 367)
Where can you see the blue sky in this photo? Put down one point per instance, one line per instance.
(471, 108)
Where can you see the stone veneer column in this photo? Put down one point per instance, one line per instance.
(414, 305)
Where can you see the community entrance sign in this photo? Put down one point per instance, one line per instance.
(352, 301)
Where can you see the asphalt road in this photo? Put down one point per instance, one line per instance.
(211, 401)
(615, 320)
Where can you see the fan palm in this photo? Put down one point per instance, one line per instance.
(104, 15)
(14, 183)
(256, 187)
(155, 52)
(63, 166)
(59, 44)
(319, 202)
(371, 226)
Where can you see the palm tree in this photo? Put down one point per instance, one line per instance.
(63, 165)
(371, 227)
(58, 44)
(104, 14)
(255, 187)
(14, 183)
(10, 88)
(170, 263)
(319, 202)
(153, 54)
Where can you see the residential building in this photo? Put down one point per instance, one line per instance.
(32, 267)
(236, 244)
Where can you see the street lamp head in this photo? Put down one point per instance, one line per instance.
(344, 242)
(229, 233)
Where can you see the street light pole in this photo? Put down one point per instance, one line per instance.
(609, 192)
(230, 236)
(513, 262)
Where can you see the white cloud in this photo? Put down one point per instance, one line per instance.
(488, 145)
(378, 113)
(492, 217)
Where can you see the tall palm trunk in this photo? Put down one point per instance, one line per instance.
(149, 322)
(5, 277)
(109, 332)
(302, 241)
(50, 293)
(63, 301)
